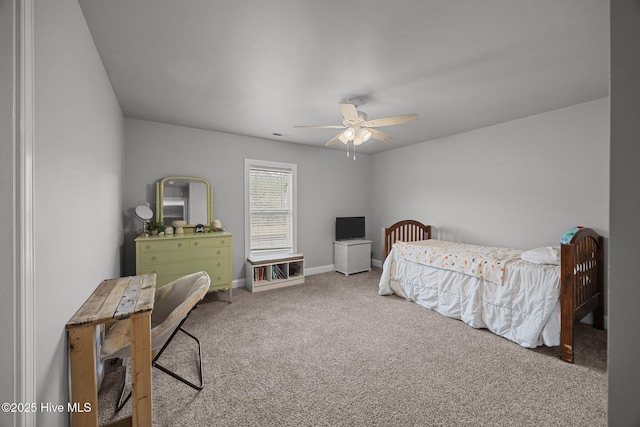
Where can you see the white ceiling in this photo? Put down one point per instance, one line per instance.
(257, 68)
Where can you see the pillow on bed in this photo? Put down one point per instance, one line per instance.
(544, 255)
(566, 237)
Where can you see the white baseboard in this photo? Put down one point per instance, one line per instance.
(588, 319)
(376, 263)
(318, 270)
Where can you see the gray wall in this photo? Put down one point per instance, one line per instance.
(9, 358)
(624, 285)
(329, 184)
(518, 184)
(78, 154)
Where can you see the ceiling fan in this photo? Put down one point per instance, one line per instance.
(358, 129)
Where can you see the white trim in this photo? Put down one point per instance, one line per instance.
(238, 283)
(376, 263)
(588, 319)
(318, 270)
(248, 163)
(26, 329)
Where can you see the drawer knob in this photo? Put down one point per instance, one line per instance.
(153, 258)
(195, 243)
(218, 265)
(222, 242)
(219, 252)
(179, 245)
(148, 247)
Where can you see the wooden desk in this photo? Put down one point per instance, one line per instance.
(113, 299)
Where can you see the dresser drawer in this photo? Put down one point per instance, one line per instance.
(177, 268)
(218, 278)
(221, 252)
(220, 264)
(187, 254)
(209, 242)
(164, 245)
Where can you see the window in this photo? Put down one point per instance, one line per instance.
(270, 207)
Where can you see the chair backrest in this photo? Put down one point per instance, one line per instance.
(173, 302)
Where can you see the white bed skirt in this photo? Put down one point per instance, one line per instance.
(524, 309)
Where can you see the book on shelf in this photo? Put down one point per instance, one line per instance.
(278, 272)
(259, 273)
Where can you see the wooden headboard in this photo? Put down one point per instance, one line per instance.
(581, 285)
(407, 230)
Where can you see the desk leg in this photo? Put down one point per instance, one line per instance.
(84, 381)
(141, 369)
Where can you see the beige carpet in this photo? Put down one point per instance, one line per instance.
(332, 352)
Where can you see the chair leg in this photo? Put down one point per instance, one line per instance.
(173, 374)
(124, 397)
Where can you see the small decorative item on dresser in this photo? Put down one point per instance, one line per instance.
(144, 214)
(168, 230)
(217, 225)
(156, 227)
(178, 226)
(199, 228)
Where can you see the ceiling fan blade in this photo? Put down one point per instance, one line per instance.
(375, 133)
(349, 112)
(333, 140)
(389, 121)
(321, 126)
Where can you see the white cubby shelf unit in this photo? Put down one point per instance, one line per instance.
(274, 271)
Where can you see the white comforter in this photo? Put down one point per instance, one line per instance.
(525, 308)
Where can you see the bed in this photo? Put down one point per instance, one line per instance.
(500, 289)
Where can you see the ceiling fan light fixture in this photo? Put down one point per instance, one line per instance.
(350, 133)
(343, 138)
(365, 135)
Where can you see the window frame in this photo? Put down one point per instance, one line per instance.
(265, 164)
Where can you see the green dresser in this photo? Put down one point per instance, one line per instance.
(174, 256)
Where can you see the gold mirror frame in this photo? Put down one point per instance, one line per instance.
(163, 196)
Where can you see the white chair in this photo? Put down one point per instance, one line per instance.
(173, 304)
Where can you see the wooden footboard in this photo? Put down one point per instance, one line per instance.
(581, 285)
(581, 276)
(405, 231)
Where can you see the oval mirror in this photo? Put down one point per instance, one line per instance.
(184, 198)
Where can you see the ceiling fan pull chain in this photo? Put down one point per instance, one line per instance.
(354, 152)
(347, 148)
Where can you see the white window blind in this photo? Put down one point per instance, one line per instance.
(271, 209)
